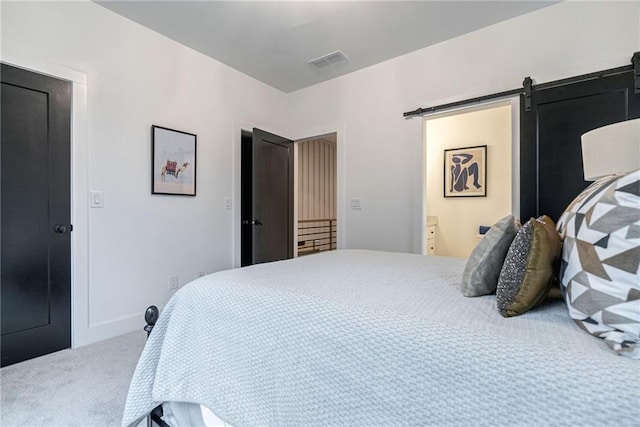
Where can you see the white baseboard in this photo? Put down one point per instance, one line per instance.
(112, 328)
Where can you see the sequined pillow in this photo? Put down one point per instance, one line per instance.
(529, 268)
(480, 276)
(599, 274)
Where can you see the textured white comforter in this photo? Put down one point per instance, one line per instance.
(373, 338)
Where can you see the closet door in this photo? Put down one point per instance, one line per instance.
(36, 240)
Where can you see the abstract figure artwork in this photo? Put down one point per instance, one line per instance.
(465, 172)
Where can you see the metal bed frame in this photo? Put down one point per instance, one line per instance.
(151, 315)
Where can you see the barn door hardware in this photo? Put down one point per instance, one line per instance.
(635, 60)
(527, 83)
(529, 87)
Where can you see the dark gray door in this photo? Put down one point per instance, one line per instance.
(551, 173)
(272, 197)
(35, 214)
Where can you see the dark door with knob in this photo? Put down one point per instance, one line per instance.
(35, 213)
(267, 198)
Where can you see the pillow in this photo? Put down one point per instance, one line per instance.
(599, 274)
(529, 267)
(481, 272)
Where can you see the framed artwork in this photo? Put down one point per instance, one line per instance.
(173, 162)
(465, 172)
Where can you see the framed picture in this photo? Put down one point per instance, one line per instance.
(173, 162)
(465, 172)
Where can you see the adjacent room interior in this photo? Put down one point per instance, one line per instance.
(316, 194)
(453, 223)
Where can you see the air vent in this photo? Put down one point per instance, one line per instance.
(328, 59)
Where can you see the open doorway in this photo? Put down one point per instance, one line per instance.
(316, 198)
(454, 222)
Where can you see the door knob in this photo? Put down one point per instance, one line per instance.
(60, 228)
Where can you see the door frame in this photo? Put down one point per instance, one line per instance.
(240, 125)
(80, 328)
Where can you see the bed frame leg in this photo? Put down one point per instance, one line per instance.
(151, 317)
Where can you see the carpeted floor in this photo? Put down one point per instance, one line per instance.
(83, 387)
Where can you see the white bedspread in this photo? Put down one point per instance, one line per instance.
(368, 338)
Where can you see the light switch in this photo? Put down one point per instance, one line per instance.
(355, 204)
(96, 199)
(227, 203)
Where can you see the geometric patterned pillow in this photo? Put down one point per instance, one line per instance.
(599, 273)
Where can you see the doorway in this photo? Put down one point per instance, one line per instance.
(316, 195)
(266, 187)
(36, 242)
(453, 222)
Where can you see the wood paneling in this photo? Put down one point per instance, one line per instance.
(316, 179)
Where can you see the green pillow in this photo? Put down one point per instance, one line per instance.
(483, 267)
(529, 270)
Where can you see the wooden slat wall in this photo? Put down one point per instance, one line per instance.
(317, 179)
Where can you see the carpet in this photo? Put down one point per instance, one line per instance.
(82, 387)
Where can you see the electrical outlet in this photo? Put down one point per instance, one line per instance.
(173, 282)
(200, 273)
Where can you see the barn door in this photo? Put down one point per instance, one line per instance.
(551, 173)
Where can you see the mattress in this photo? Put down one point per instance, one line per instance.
(373, 338)
(191, 415)
(210, 419)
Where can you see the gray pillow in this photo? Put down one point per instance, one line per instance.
(483, 267)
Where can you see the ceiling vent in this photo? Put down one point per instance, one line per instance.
(328, 59)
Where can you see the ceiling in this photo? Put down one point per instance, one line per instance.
(273, 41)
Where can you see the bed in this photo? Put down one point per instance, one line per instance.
(363, 338)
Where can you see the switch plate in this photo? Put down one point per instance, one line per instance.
(227, 203)
(356, 205)
(96, 199)
(173, 282)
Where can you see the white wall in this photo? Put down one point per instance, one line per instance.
(460, 217)
(136, 78)
(383, 151)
